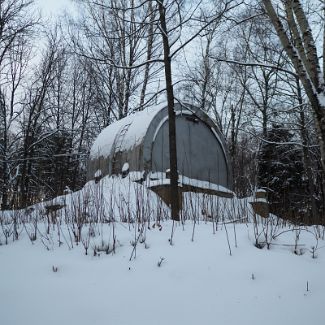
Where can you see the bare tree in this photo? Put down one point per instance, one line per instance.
(33, 119)
(17, 27)
(167, 19)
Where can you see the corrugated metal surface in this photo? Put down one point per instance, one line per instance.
(201, 150)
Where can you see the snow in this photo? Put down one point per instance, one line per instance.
(125, 167)
(129, 131)
(197, 281)
(321, 99)
(135, 132)
(260, 199)
(156, 179)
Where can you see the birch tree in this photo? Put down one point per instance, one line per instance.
(295, 33)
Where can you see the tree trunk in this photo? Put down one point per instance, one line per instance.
(149, 54)
(5, 180)
(308, 73)
(306, 156)
(171, 116)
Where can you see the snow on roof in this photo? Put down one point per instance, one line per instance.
(135, 127)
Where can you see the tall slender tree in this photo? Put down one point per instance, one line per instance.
(296, 35)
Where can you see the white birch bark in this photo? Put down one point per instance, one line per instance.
(304, 58)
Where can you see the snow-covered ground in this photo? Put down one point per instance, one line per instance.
(193, 281)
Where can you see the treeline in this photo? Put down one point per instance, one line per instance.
(62, 83)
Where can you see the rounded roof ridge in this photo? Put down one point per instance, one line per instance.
(126, 132)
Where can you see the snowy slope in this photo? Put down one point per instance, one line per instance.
(197, 281)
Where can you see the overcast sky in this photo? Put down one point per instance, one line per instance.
(53, 7)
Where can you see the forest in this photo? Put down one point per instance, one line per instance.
(255, 67)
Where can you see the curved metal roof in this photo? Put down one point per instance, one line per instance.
(135, 139)
(132, 129)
